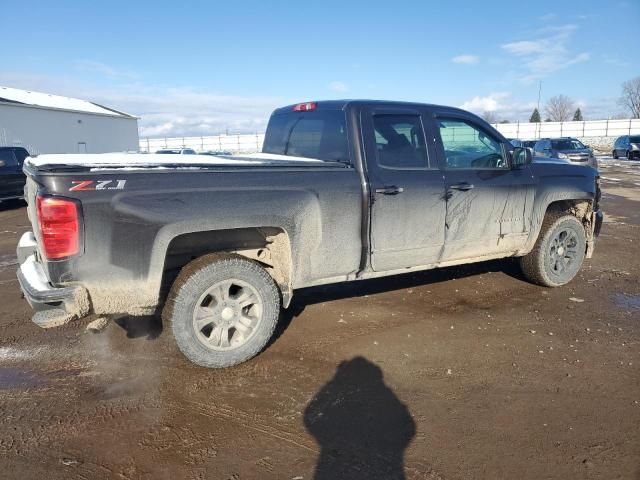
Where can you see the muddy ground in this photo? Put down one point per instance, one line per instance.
(457, 373)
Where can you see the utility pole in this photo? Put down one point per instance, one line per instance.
(539, 123)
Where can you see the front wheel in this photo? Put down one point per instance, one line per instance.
(558, 253)
(615, 155)
(629, 155)
(223, 310)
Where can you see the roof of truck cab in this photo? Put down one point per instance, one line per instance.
(344, 104)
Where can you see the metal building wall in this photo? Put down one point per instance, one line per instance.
(45, 130)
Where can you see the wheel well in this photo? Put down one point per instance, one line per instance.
(268, 246)
(583, 211)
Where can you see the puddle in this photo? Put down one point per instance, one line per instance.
(627, 301)
(15, 378)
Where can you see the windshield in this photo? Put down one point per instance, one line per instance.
(634, 139)
(320, 134)
(567, 145)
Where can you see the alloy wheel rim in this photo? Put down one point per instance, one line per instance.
(227, 315)
(563, 252)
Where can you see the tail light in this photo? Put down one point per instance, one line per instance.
(59, 227)
(305, 107)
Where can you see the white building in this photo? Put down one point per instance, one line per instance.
(44, 123)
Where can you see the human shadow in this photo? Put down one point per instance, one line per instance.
(360, 424)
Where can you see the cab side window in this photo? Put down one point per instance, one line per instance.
(400, 141)
(467, 146)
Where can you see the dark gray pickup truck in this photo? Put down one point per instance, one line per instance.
(343, 190)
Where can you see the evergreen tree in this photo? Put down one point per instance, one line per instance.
(535, 116)
(577, 117)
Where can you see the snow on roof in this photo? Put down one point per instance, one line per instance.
(26, 97)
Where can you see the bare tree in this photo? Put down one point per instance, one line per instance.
(630, 98)
(490, 117)
(559, 108)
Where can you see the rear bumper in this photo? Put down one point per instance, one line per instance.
(53, 306)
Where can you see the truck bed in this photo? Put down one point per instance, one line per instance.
(140, 161)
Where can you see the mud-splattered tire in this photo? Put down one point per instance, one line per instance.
(558, 253)
(223, 309)
(615, 155)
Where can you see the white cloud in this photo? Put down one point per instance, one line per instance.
(164, 111)
(103, 69)
(489, 103)
(546, 54)
(338, 86)
(547, 17)
(466, 59)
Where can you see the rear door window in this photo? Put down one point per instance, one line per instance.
(320, 134)
(400, 141)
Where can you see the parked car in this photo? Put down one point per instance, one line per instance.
(627, 146)
(177, 151)
(342, 191)
(565, 149)
(217, 153)
(12, 179)
(516, 142)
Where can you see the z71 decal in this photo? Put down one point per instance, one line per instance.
(91, 185)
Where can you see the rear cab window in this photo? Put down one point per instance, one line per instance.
(319, 134)
(567, 144)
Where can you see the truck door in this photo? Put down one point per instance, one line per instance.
(407, 189)
(488, 202)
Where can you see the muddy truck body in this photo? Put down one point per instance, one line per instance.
(342, 191)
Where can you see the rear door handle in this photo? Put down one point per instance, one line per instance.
(391, 190)
(464, 186)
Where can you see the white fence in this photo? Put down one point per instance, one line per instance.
(253, 142)
(591, 128)
(231, 143)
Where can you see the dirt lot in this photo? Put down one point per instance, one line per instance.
(457, 373)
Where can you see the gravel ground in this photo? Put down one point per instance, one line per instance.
(466, 372)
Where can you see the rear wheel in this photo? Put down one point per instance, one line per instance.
(223, 310)
(558, 253)
(615, 154)
(629, 155)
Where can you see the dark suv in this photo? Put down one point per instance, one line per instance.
(627, 146)
(12, 179)
(565, 149)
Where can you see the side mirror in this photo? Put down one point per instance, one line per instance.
(521, 156)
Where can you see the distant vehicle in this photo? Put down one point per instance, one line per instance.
(12, 179)
(342, 191)
(627, 146)
(516, 142)
(566, 149)
(216, 153)
(178, 151)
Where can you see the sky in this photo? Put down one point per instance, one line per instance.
(202, 68)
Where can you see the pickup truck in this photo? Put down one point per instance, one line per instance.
(12, 179)
(342, 191)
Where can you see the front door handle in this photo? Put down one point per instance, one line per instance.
(464, 186)
(391, 190)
